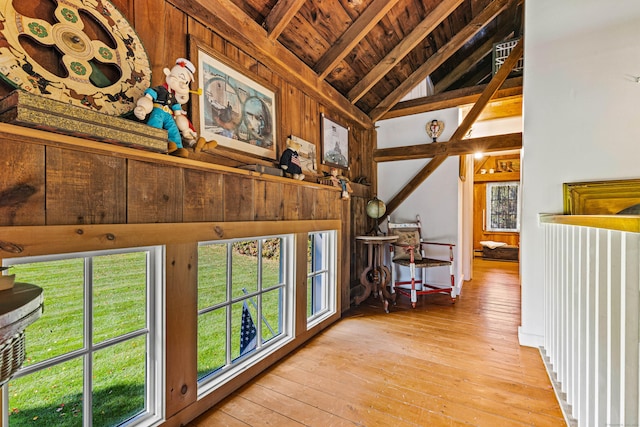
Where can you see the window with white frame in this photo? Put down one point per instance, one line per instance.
(503, 207)
(245, 304)
(321, 276)
(94, 356)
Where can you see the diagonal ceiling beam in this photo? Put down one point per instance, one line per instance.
(457, 147)
(469, 62)
(280, 16)
(356, 32)
(424, 28)
(452, 98)
(492, 87)
(485, 49)
(445, 52)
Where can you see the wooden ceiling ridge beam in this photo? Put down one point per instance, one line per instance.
(354, 34)
(457, 147)
(453, 98)
(402, 49)
(481, 20)
(280, 16)
(238, 28)
(492, 87)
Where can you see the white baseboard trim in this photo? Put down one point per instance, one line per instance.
(530, 340)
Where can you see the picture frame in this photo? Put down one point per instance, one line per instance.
(234, 109)
(601, 197)
(308, 155)
(335, 143)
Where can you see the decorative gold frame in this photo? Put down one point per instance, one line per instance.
(600, 197)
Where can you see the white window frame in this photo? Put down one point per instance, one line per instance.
(490, 186)
(155, 331)
(329, 272)
(233, 368)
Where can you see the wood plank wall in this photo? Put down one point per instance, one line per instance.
(173, 194)
(48, 179)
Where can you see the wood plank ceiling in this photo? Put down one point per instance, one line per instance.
(373, 52)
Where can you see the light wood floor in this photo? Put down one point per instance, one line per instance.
(436, 365)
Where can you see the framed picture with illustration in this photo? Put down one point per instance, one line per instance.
(236, 110)
(335, 143)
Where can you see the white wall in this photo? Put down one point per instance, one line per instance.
(581, 117)
(438, 210)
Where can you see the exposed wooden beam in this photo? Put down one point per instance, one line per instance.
(453, 98)
(238, 28)
(493, 86)
(280, 16)
(480, 53)
(497, 109)
(424, 28)
(356, 32)
(458, 147)
(438, 58)
(468, 63)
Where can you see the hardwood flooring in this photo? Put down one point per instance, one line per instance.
(436, 365)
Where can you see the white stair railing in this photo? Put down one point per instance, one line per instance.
(592, 330)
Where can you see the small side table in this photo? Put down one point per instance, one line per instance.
(376, 276)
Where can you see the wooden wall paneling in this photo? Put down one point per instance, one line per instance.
(195, 29)
(265, 73)
(155, 193)
(181, 326)
(284, 118)
(322, 204)
(291, 201)
(126, 7)
(22, 191)
(311, 123)
(347, 243)
(359, 226)
(149, 22)
(199, 31)
(296, 110)
(203, 196)
(176, 40)
(239, 198)
(85, 188)
(307, 202)
(269, 204)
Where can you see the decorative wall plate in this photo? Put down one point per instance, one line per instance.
(434, 129)
(83, 52)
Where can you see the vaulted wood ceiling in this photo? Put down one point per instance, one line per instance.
(364, 56)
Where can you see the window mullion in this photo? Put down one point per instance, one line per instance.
(229, 301)
(258, 321)
(88, 342)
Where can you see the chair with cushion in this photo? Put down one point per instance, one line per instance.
(412, 253)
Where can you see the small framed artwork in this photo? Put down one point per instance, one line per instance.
(234, 109)
(307, 155)
(335, 143)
